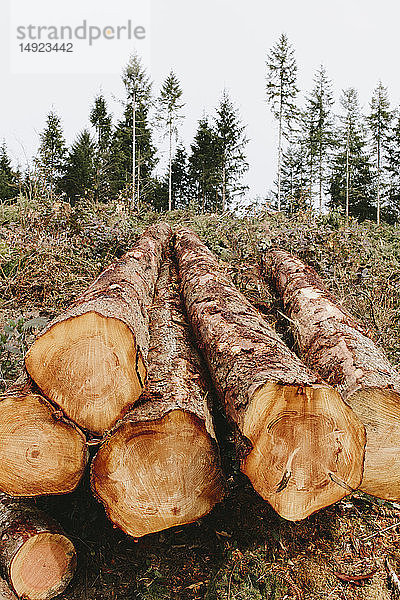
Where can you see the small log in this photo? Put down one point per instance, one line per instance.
(161, 468)
(306, 445)
(335, 345)
(91, 360)
(40, 452)
(36, 558)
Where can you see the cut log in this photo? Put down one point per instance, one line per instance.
(161, 468)
(36, 558)
(40, 452)
(335, 345)
(306, 445)
(90, 361)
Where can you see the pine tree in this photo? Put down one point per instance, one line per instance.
(294, 188)
(133, 153)
(231, 143)
(281, 92)
(80, 172)
(169, 107)
(393, 171)
(320, 128)
(351, 186)
(101, 120)
(50, 160)
(204, 168)
(9, 178)
(379, 121)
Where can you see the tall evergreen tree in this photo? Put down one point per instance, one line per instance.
(133, 152)
(294, 179)
(204, 168)
(351, 186)
(101, 120)
(8, 177)
(393, 172)
(169, 106)
(50, 160)
(281, 92)
(231, 143)
(379, 121)
(80, 172)
(319, 119)
(180, 177)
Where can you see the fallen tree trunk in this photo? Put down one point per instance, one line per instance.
(306, 445)
(337, 347)
(160, 468)
(36, 558)
(40, 452)
(91, 360)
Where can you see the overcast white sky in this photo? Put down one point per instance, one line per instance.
(211, 45)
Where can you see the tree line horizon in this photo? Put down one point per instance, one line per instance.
(349, 162)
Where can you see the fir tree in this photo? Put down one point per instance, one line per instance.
(101, 120)
(281, 92)
(80, 172)
(320, 122)
(393, 172)
(294, 179)
(231, 138)
(351, 185)
(133, 153)
(204, 168)
(180, 177)
(50, 160)
(8, 177)
(170, 105)
(379, 121)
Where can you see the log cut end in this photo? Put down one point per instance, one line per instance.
(158, 474)
(379, 410)
(39, 454)
(308, 448)
(89, 366)
(43, 566)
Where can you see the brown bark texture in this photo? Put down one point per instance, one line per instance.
(175, 402)
(339, 348)
(114, 307)
(44, 570)
(268, 392)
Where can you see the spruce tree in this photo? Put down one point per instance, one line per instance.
(379, 122)
(101, 120)
(393, 173)
(204, 168)
(180, 177)
(169, 106)
(50, 160)
(321, 134)
(80, 172)
(8, 177)
(133, 152)
(294, 179)
(351, 186)
(232, 140)
(281, 92)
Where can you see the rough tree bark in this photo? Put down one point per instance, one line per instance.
(161, 468)
(306, 445)
(40, 451)
(333, 343)
(90, 361)
(36, 558)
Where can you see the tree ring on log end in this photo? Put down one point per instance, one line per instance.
(89, 366)
(157, 474)
(299, 440)
(43, 566)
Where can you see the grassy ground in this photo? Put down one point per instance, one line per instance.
(242, 550)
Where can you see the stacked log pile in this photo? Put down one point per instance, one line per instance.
(120, 369)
